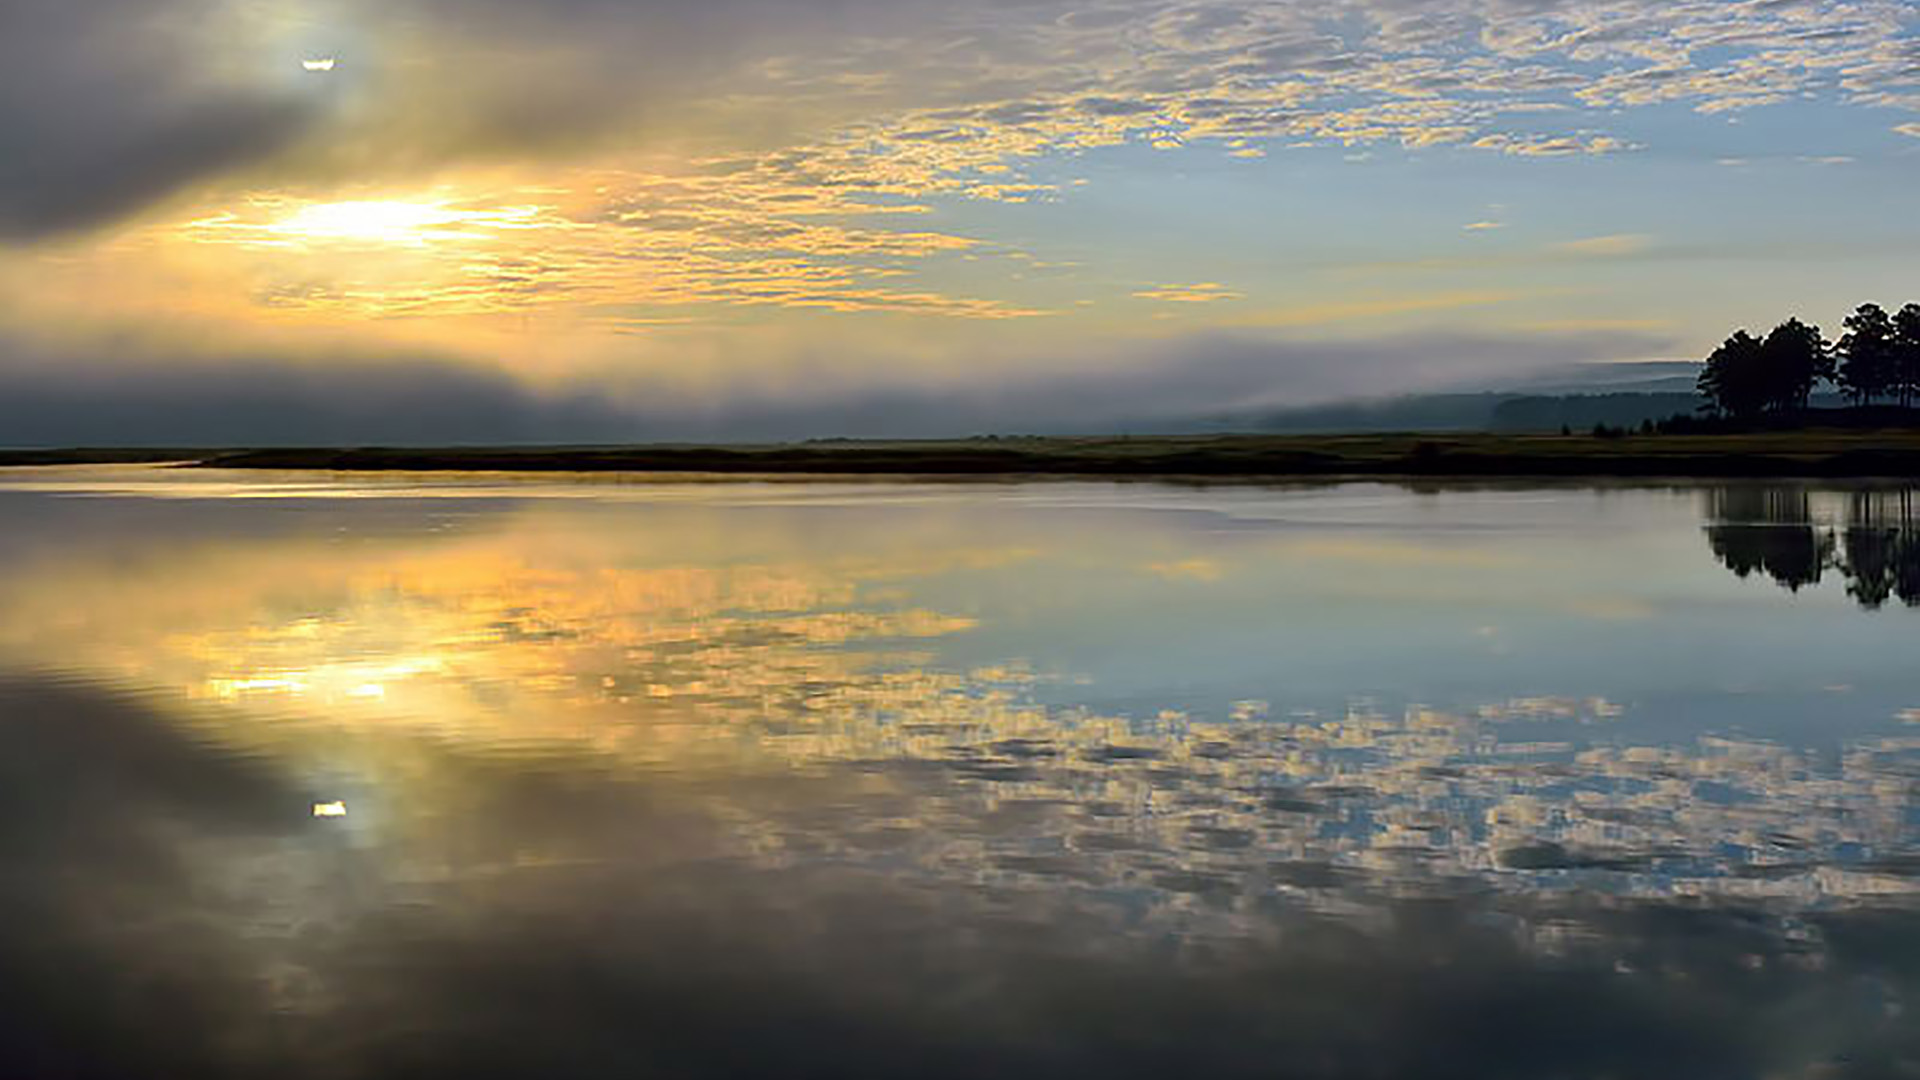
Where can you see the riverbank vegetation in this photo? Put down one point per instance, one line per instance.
(1800, 453)
(1875, 361)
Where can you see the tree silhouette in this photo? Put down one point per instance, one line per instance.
(1867, 353)
(1746, 376)
(1794, 358)
(1906, 353)
(1878, 357)
(1734, 382)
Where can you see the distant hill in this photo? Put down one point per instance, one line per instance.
(1577, 396)
(1489, 411)
(1638, 377)
(1580, 412)
(1417, 412)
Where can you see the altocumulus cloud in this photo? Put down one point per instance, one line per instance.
(108, 105)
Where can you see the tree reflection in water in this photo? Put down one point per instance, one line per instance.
(1882, 548)
(1873, 542)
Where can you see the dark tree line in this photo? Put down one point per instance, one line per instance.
(1877, 359)
(1773, 531)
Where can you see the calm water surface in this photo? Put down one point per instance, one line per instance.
(485, 776)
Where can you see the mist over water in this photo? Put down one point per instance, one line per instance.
(493, 777)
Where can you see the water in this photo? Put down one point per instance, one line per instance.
(489, 776)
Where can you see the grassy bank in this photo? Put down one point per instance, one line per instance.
(1802, 453)
(1818, 453)
(103, 456)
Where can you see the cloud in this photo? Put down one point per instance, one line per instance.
(1612, 246)
(143, 393)
(109, 105)
(1549, 145)
(138, 393)
(1205, 292)
(733, 177)
(1909, 129)
(615, 925)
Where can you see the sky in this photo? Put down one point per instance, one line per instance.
(256, 221)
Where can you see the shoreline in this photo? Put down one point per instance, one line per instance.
(1826, 454)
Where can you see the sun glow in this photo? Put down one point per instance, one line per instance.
(400, 222)
(377, 221)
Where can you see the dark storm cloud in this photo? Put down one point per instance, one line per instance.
(57, 398)
(75, 178)
(106, 105)
(138, 394)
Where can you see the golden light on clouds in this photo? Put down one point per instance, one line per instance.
(394, 222)
(618, 244)
(658, 199)
(1205, 292)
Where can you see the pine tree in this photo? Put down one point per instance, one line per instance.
(1734, 382)
(1867, 354)
(1795, 358)
(1906, 353)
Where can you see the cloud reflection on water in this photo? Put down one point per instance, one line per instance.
(623, 780)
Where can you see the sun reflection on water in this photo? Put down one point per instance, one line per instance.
(543, 629)
(394, 760)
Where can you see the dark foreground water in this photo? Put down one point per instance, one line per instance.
(480, 777)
